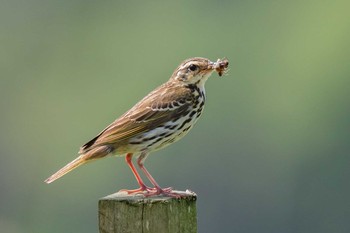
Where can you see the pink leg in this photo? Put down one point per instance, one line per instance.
(157, 189)
(143, 187)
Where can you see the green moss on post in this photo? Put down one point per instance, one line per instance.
(120, 213)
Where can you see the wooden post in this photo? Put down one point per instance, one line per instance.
(120, 213)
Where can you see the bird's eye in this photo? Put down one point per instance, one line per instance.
(193, 67)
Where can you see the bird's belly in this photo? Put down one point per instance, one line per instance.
(163, 136)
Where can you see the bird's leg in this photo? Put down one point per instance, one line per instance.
(143, 187)
(158, 189)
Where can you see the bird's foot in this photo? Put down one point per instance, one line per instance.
(168, 192)
(156, 191)
(142, 190)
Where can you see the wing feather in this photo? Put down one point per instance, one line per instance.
(160, 106)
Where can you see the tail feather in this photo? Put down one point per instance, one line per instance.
(69, 167)
(86, 156)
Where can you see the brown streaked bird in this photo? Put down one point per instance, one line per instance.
(161, 118)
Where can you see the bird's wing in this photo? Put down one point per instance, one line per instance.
(160, 106)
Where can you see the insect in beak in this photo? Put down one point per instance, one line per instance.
(220, 66)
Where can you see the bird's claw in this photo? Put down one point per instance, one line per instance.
(151, 192)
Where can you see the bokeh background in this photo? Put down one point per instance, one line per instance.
(270, 154)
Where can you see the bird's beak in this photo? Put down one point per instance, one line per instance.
(211, 65)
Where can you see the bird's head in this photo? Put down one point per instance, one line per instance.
(197, 70)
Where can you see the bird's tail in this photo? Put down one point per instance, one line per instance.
(69, 167)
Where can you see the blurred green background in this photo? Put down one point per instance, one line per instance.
(270, 154)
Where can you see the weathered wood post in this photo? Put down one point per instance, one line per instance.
(120, 213)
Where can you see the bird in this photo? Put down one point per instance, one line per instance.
(161, 118)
